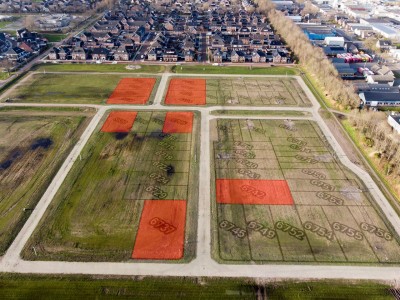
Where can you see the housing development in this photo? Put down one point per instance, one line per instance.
(192, 149)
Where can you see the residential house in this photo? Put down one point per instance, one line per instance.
(100, 53)
(121, 54)
(78, 54)
(189, 56)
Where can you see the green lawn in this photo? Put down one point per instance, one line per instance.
(267, 148)
(357, 137)
(4, 75)
(26, 169)
(207, 69)
(96, 213)
(4, 24)
(77, 287)
(68, 88)
(101, 68)
(260, 113)
(54, 37)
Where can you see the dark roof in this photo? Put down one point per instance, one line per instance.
(100, 51)
(396, 118)
(381, 97)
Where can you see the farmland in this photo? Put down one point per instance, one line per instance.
(112, 205)
(72, 287)
(236, 91)
(281, 195)
(33, 144)
(70, 88)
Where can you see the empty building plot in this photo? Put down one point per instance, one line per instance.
(186, 91)
(281, 195)
(132, 91)
(131, 195)
(233, 91)
(33, 145)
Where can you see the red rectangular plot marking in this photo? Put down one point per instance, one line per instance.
(184, 91)
(252, 191)
(119, 121)
(178, 122)
(132, 91)
(161, 231)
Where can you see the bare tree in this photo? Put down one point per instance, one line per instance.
(29, 22)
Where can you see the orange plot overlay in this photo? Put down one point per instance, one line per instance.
(132, 91)
(186, 92)
(251, 191)
(161, 231)
(119, 121)
(178, 122)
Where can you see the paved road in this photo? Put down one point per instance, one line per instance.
(202, 265)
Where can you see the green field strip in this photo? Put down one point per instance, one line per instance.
(115, 176)
(355, 250)
(285, 150)
(387, 251)
(259, 243)
(300, 174)
(292, 248)
(306, 185)
(182, 155)
(324, 250)
(305, 165)
(231, 247)
(278, 142)
(143, 177)
(138, 192)
(231, 146)
(272, 158)
(310, 198)
(241, 153)
(266, 174)
(232, 164)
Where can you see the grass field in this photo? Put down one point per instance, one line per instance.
(4, 75)
(95, 215)
(69, 88)
(207, 69)
(333, 219)
(33, 144)
(290, 113)
(251, 91)
(54, 37)
(73, 287)
(101, 68)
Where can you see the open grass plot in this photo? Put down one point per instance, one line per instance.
(281, 195)
(256, 92)
(33, 145)
(132, 91)
(132, 195)
(80, 88)
(236, 91)
(186, 91)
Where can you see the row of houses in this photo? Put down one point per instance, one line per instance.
(141, 31)
(46, 6)
(26, 45)
(257, 56)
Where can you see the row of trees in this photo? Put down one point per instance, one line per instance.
(312, 58)
(373, 127)
(378, 134)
